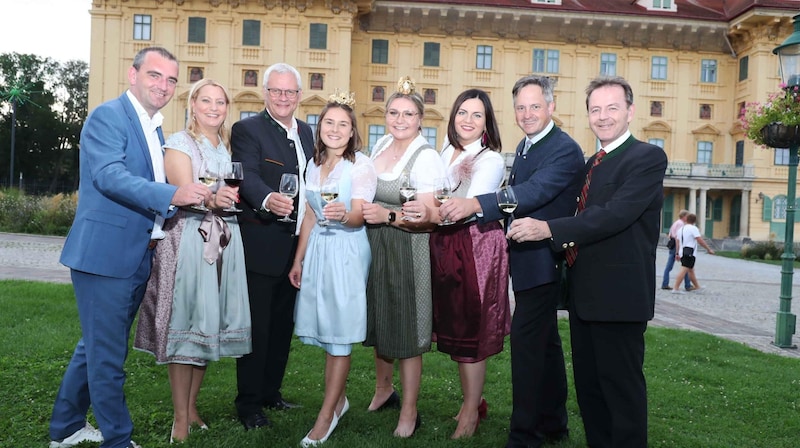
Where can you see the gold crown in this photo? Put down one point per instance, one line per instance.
(406, 85)
(343, 98)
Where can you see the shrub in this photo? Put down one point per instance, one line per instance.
(764, 250)
(43, 215)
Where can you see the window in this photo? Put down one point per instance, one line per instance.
(744, 62)
(251, 32)
(484, 57)
(312, 120)
(431, 54)
(197, 30)
(430, 135)
(247, 114)
(195, 74)
(380, 51)
(430, 96)
(317, 81)
(608, 64)
(781, 156)
(318, 36)
(658, 69)
(545, 61)
(662, 4)
(142, 26)
(705, 111)
(376, 131)
(704, 150)
(708, 70)
(656, 108)
(250, 78)
(378, 94)
(742, 109)
(779, 207)
(656, 141)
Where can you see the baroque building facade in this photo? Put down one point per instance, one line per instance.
(693, 65)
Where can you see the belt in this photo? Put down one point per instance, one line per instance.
(152, 244)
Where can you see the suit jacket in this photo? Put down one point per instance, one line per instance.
(118, 197)
(265, 151)
(613, 278)
(546, 182)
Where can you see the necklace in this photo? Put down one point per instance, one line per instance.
(330, 163)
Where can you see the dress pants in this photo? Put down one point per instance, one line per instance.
(668, 268)
(95, 376)
(259, 374)
(538, 374)
(607, 362)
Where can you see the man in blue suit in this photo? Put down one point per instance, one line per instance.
(546, 177)
(123, 202)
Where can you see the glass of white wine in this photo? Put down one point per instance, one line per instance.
(443, 193)
(329, 191)
(408, 189)
(507, 200)
(209, 179)
(289, 187)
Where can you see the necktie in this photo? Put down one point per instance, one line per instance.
(572, 252)
(528, 145)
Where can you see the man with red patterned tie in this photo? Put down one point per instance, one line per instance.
(612, 240)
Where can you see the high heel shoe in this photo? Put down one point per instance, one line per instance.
(345, 408)
(483, 409)
(417, 424)
(306, 442)
(392, 402)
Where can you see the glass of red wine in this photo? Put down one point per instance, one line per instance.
(233, 178)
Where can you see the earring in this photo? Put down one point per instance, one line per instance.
(484, 138)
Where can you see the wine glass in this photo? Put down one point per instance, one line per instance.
(289, 187)
(443, 193)
(408, 186)
(233, 178)
(507, 200)
(207, 178)
(329, 192)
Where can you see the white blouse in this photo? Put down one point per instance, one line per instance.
(427, 168)
(486, 172)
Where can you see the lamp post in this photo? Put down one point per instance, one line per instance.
(789, 55)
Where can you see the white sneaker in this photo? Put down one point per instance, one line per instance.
(678, 291)
(86, 434)
(134, 445)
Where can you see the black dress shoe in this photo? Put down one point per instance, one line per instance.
(281, 405)
(556, 437)
(393, 402)
(255, 421)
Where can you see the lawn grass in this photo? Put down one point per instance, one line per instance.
(703, 391)
(738, 255)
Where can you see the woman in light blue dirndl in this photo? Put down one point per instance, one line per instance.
(331, 264)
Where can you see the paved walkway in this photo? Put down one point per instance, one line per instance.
(739, 300)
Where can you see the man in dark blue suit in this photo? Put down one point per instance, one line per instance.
(123, 202)
(545, 177)
(612, 243)
(269, 144)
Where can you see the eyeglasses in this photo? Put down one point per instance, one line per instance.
(407, 114)
(276, 93)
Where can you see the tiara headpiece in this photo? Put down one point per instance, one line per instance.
(406, 85)
(344, 98)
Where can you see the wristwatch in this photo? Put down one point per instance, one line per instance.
(392, 217)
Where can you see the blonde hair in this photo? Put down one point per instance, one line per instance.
(191, 121)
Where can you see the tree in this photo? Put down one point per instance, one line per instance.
(47, 124)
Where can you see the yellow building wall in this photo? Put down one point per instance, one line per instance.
(346, 64)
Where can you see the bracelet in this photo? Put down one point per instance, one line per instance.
(345, 218)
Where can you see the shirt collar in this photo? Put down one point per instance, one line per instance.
(533, 140)
(617, 143)
(285, 128)
(145, 118)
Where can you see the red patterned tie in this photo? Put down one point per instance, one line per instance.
(572, 252)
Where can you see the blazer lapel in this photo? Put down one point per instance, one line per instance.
(136, 125)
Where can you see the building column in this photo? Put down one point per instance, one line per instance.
(701, 214)
(744, 215)
(693, 200)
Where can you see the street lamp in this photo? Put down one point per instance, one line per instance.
(789, 55)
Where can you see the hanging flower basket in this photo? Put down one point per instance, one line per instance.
(779, 135)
